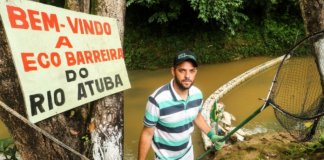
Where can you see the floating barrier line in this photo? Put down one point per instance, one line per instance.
(220, 92)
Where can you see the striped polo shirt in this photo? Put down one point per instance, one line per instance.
(173, 119)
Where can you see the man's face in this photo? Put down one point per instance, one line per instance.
(184, 75)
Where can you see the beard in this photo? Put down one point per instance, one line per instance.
(180, 85)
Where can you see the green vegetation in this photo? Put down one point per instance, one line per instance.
(272, 28)
(150, 48)
(8, 149)
(225, 12)
(217, 31)
(274, 146)
(312, 149)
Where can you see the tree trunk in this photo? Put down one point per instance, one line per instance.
(69, 127)
(313, 15)
(107, 138)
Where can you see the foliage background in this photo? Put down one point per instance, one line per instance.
(264, 28)
(216, 30)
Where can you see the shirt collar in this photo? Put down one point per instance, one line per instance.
(174, 94)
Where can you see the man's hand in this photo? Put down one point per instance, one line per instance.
(215, 139)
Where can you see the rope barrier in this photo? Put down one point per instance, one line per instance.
(22, 118)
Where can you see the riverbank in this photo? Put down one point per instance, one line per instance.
(272, 146)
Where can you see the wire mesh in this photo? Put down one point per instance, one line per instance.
(297, 93)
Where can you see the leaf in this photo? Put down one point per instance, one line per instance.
(308, 124)
(91, 127)
(5, 143)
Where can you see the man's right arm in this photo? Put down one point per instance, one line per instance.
(145, 142)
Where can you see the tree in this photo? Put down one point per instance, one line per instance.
(226, 13)
(313, 15)
(106, 114)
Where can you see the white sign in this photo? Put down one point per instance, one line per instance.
(63, 58)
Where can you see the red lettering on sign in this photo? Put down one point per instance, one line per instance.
(29, 65)
(63, 40)
(107, 28)
(73, 26)
(104, 55)
(33, 19)
(70, 60)
(88, 57)
(98, 28)
(113, 54)
(95, 56)
(31, 62)
(88, 27)
(42, 60)
(55, 59)
(80, 58)
(50, 22)
(83, 26)
(17, 17)
(120, 53)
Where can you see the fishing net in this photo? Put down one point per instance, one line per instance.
(297, 92)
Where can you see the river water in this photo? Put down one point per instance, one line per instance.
(241, 101)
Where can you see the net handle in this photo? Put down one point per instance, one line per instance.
(248, 119)
(228, 135)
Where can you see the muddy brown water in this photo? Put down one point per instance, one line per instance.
(241, 101)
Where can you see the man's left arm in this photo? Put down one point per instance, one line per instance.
(201, 123)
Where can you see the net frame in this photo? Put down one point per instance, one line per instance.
(269, 99)
(302, 120)
(316, 118)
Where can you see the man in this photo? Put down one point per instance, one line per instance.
(171, 112)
